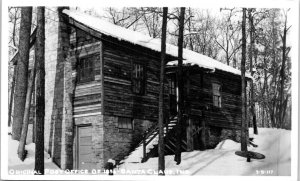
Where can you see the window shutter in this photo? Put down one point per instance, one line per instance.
(216, 91)
(138, 78)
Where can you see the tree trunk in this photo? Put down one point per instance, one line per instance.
(180, 88)
(252, 103)
(40, 91)
(189, 26)
(161, 154)
(22, 78)
(282, 74)
(21, 148)
(14, 28)
(284, 111)
(244, 128)
(227, 58)
(263, 117)
(234, 62)
(265, 92)
(12, 95)
(272, 117)
(15, 71)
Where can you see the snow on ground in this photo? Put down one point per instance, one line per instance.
(275, 144)
(15, 164)
(137, 154)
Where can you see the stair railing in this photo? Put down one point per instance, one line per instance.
(150, 134)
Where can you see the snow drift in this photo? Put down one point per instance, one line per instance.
(275, 144)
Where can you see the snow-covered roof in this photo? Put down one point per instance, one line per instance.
(148, 42)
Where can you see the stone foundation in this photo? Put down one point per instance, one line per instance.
(234, 135)
(118, 143)
(216, 134)
(110, 142)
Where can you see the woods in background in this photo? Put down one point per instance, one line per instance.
(253, 40)
(25, 84)
(217, 33)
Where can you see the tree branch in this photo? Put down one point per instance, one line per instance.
(220, 45)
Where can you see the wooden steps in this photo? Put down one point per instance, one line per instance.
(169, 140)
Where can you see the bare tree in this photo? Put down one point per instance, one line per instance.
(243, 70)
(229, 30)
(14, 20)
(21, 148)
(40, 91)
(161, 155)
(127, 17)
(190, 27)
(22, 66)
(204, 26)
(251, 50)
(152, 21)
(180, 88)
(12, 90)
(256, 18)
(269, 65)
(285, 51)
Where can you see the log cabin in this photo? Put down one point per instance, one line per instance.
(102, 86)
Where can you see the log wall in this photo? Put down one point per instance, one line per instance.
(87, 99)
(119, 98)
(200, 98)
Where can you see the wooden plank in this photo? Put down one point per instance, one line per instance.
(85, 115)
(119, 98)
(101, 45)
(85, 131)
(89, 107)
(168, 147)
(86, 112)
(117, 81)
(226, 116)
(84, 154)
(85, 50)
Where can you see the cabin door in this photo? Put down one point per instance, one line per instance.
(173, 94)
(84, 152)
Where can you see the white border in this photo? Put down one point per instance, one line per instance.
(294, 4)
(153, 3)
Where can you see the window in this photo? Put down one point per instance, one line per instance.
(216, 89)
(86, 69)
(172, 85)
(124, 123)
(138, 78)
